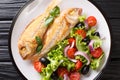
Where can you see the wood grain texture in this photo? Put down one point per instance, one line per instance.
(8, 72)
(110, 7)
(9, 8)
(112, 71)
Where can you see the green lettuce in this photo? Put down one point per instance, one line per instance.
(97, 41)
(68, 64)
(57, 58)
(91, 32)
(47, 72)
(95, 63)
(82, 18)
(81, 58)
(81, 46)
(73, 30)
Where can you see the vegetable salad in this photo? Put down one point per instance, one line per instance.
(74, 55)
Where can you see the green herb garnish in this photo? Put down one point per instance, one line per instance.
(53, 13)
(39, 42)
(39, 48)
(49, 20)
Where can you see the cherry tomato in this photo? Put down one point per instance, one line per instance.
(75, 76)
(61, 71)
(78, 65)
(91, 20)
(38, 66)
(97, 52)
(70, 40)
(82, 33)
(71, 52)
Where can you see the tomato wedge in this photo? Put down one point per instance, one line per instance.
(70, 40)
(91, 20)
(75, 76)
(71, 52)
(82, 33)
(97, 52)
(38, 66)
(61, 71)
(78, 65)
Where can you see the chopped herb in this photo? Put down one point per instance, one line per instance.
(39, 42)
(39, 48)
(53, 13)
(49, 20)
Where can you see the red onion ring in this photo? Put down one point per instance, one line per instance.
(86, 24)
(73, 60)
(65, 53)
(65, 50)
(91, 45)
(84, 55)
(66, 77)
(72, 45)
(68, 47)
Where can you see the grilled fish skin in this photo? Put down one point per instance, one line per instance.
(27, 44)
(59, 30)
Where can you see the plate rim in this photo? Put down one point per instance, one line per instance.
(99, 76)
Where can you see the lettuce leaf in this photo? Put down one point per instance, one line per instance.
(68, 64)
(82, 18)
(95, 63)
(47, 72)
(81, 58)
(72, 32)
(91, 32)
(97, 40)
(57, 58)
(81, 46)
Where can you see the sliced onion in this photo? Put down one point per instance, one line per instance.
(66, 49)
(65, 53)
(86, 25)
(73, 60)
(66, 77)
(84, 55)
(72, 45)
(91, 45)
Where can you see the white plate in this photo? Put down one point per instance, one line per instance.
(34, 8)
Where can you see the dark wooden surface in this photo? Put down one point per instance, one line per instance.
(9, 8)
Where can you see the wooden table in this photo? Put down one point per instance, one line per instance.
(9, 8)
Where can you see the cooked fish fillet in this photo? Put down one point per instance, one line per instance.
(59, 30)
(27, 44)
